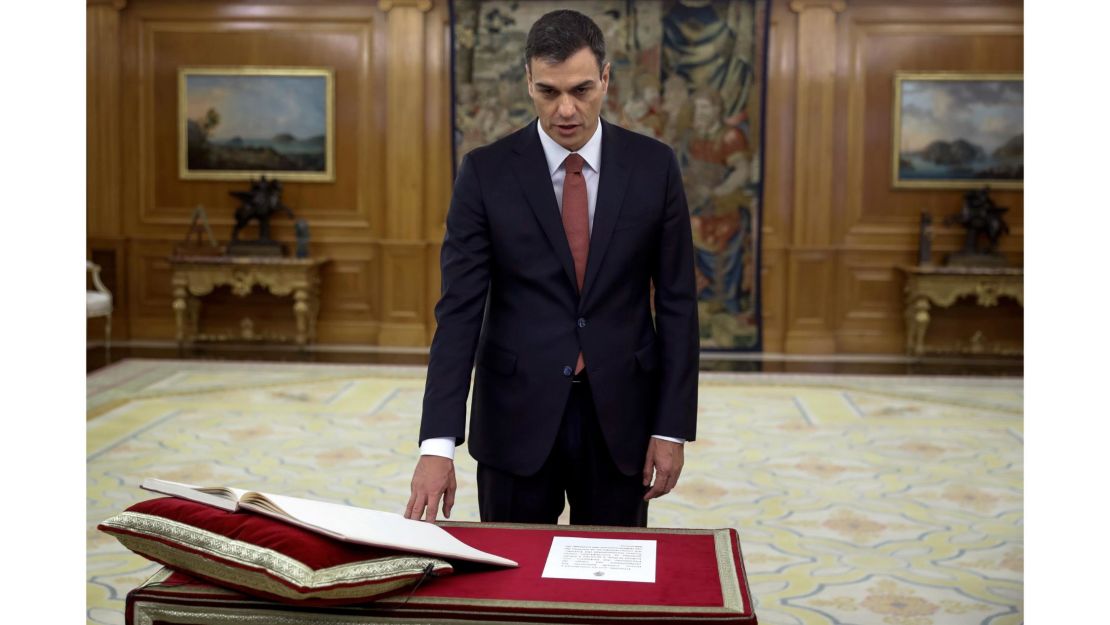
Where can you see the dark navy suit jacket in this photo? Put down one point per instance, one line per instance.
(510, 299)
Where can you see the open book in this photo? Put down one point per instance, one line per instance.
(342, 522)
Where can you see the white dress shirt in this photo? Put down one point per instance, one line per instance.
(591, 171)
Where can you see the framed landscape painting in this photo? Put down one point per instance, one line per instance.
(958, 130)
(239, 123)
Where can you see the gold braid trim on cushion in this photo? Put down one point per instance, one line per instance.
(381, 573)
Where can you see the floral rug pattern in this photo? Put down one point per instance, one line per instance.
(859, 500)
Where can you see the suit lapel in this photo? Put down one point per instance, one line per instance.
(610, 196)
(531, 171)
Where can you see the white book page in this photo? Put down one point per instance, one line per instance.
(190, 492)
(357, 525)
(601, 559)
(383, 529)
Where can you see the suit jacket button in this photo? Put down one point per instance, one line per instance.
(568, 371)
(581, 323)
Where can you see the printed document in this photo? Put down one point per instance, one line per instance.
(603, 559)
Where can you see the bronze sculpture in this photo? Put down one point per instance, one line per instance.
(981, 217)
(260, 203)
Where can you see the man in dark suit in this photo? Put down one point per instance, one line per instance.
(555, 236)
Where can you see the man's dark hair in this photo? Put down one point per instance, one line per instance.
(559, 34)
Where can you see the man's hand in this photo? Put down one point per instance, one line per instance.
(434, 477)
(665, 459)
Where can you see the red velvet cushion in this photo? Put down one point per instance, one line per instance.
(262, 556)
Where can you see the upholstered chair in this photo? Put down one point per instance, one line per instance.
(98, 303)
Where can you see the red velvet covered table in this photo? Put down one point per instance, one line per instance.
(700, 578)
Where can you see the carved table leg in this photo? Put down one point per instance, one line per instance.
(300, 310)
(911, 328)
(179, 309)
(193, 315)
(313, 314)
(917, 321)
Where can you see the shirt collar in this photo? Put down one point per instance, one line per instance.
(556, 154)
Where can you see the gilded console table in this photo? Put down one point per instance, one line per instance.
(196, 276)
(928, 285)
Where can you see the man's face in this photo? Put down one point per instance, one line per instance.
(568, 96)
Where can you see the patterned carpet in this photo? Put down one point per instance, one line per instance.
(861, 500)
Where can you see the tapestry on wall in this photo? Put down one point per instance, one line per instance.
(689, 73)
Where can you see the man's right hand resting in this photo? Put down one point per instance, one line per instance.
(433, 478)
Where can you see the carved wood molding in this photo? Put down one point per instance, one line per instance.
(118, 5)
(814, 126)
(421, 5)
(945, 290)
(837, 6)
(202, 280)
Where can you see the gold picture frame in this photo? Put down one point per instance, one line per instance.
(243, 122)
(958, 130)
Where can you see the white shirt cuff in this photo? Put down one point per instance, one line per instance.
(444, 446)
(681, 441)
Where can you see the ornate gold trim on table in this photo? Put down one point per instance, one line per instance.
(147, 612)
(942, 286)
(444, 610)
(197, 276)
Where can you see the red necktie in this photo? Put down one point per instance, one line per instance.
(576, 222)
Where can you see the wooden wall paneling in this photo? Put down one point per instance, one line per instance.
(438, 164)
(130, 127)
(347, 287)
(833, 227)
(412, 42)
(375, 104)
(104, 244)
(348, 293)
(881, 39)
(778, 168)
(813, 146)
(809, 326)
(877, 40)
(440, 155)
(160, 37)
(102, 119)
(812, 301)
(773, 273)
(403, 267)
(404, 133)
(870, 291)
(831, 104)
(151, 294)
